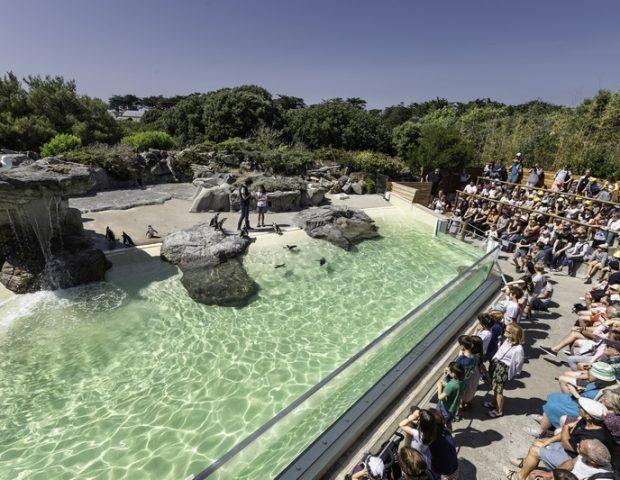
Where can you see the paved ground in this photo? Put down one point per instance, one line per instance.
(167, 216)
(484, 444)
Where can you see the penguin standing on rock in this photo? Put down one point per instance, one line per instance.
(277, 229)
(214, 220)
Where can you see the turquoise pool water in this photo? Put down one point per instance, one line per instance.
(132, 379)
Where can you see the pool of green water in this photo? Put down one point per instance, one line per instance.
(132, 379)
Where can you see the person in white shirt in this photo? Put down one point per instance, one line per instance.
(471, 187)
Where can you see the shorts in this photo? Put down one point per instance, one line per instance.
(447, 416)
(499, 375)
(262, 209)
(554, 455)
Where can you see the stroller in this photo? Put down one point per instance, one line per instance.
(383, 465)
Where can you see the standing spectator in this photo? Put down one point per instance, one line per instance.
(516, 170)
(537, 176)
(507, 362)
(244, 201)
(434, 178)
(583, 182)
(561, 180)
(449, 392)
(261, 205)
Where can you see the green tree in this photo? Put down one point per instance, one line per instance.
(405, 137)
(441, 147)
(239, 112)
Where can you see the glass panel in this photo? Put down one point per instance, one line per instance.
(279, 446)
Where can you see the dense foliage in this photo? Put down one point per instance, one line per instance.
(282, 133)
(31, 116)
(142, 141)
(117, 160)
(61, 143)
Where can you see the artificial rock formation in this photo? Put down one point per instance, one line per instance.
(209, 259)
(343, 226)
(42, 246)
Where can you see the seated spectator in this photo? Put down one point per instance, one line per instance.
(600, 376)
(593, 458)
(575, 256)
(506, 363)
(597, 260)
(563, 446)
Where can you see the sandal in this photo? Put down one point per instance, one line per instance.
(495, 414)
(489, 404)
(511, 474)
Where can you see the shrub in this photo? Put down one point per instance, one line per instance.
(234, 145)
(371, 186)
(61, 143)
(144, 140)
(374, 162)
(116, 160)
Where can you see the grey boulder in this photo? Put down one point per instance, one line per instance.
(209, 259)
(343, 226)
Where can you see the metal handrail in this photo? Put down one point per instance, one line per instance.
(309, 393)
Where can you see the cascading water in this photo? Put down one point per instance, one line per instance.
(41, 240)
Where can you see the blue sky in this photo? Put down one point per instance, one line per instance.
(385, 52)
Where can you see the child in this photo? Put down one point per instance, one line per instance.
(449, 393)
(261, 205)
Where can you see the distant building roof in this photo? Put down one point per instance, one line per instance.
(135, 115)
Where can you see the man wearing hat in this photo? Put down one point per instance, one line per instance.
(564, 446)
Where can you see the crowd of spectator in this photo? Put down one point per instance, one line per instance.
(570, 225)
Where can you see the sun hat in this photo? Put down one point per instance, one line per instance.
(603, 371)
(595, 409)
(615, 286)
(617, 254)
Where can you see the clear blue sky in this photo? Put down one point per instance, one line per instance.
(384, 51)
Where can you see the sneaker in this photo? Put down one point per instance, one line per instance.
(494, 414)
(489, 404)
(517, 462)
(548, 351)
(587, 280)
(510, 473)
(534, 432)
(537, 418)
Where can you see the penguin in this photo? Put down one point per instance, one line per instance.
(280, 265)
(244, 233)
(322, 261)
(291, 247)
(220, 223)
(277, 229)
(214, 220)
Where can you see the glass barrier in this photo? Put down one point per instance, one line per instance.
(277, 447)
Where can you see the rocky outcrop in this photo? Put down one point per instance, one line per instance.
(41, 242)
(210, 261)
(343, 226)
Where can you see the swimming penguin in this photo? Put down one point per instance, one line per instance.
(291, 247)
(322, 261)
(280, 265)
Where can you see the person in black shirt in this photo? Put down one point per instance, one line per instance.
(435, 179)
(244, 201)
